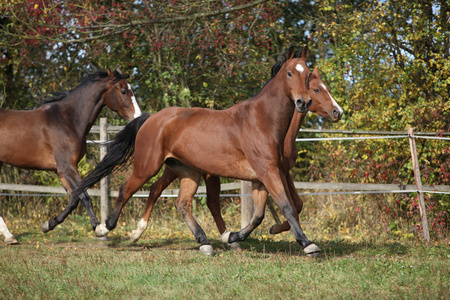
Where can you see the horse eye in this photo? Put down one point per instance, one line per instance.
(289, 74)
(316, 90)
(123, 91)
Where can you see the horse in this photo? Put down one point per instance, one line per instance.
(53, 136)
(322, 104)
(244, 141)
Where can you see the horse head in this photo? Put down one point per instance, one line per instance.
(120, 97)
(322, 102)
(296, 75)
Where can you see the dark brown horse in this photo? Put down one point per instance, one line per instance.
(245, 142)
(322, 104)
(53, 136)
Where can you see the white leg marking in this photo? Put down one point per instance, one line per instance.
(9, 238)
(224, 237)
(136, 234)
(101, 230)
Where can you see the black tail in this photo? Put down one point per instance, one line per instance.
(121, 149)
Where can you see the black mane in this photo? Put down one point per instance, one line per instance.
(93, 77)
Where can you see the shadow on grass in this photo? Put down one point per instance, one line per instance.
(337, 248)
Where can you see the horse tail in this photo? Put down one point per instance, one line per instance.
(121, 149)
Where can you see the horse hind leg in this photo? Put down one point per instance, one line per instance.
(259, 197)
(9, 238)
(213, 202)
(189, 180)
(155, 191)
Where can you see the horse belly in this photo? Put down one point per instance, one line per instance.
(24, 147)
(214, 157)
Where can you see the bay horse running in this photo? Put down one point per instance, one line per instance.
(53, 136)
(245, 141)
(322, 103)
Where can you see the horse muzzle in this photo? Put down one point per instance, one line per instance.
(302, 106)
(336, 114)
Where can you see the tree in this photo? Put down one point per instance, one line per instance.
(389, 60)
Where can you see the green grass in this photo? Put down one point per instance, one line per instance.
(361, 259)
(168, 265)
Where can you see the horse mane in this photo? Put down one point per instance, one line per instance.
(92, 77)
(277, 66)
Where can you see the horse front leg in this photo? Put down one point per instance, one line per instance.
(259, 197)
(126, 191)
(298, 205)
(277, 186)
(70, 178)
(156, 189)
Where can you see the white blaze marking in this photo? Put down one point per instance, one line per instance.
(3, 229)
(332, 99)
(137, 110)
(299, 68)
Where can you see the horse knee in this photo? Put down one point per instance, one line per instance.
(182, 207)
(287, 210)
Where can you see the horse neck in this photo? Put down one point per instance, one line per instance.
(278, 107)
(86, 105)
(290, 146)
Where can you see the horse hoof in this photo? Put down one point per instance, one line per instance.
(46, 227)
(235, 246)
(135, 236)
(11, 240)
(273, 229)
(312, 250)
(101, 230)
(224, 237)
(207, 249)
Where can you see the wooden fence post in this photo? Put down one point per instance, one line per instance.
(415, 161)
(104, 183)
(246, 203)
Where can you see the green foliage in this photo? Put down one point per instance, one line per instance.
(386, 62)
(389, 62)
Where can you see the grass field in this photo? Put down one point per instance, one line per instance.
(69, 263)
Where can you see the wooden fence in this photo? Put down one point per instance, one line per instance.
(245, 187)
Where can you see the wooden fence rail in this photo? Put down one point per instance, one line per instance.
(245, 187)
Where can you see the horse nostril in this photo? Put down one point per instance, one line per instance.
(308, 104)
(336, 113)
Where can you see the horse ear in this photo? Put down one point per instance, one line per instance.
(316, 73)
(305, 52)
(118, 69)
(110, 74)
(290, 53)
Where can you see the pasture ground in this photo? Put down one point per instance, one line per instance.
(69, 263)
